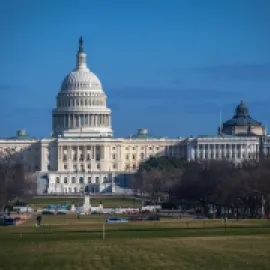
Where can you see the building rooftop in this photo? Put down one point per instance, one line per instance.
(142, 133)
(22, 135)
(241, 117)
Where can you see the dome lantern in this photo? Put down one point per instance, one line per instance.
(81, 57)
(241, 110)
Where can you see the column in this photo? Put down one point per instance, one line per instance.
(83, 120)
(60, 152)
(84, 153)
(102, 150)
(69, 158)
(231, 151)
(203, 150)
(77, 155)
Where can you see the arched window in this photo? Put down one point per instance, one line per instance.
(81, 180)
(73, 180)
(65, 180)
(57, 180)
(75, 190)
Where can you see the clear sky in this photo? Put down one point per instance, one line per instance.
(169, 66)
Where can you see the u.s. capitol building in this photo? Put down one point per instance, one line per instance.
(82, 150)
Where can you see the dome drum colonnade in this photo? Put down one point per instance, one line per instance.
(81, 104)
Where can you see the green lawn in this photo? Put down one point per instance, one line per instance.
(65, 242)
(108, 202)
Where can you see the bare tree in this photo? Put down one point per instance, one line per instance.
(15, 181)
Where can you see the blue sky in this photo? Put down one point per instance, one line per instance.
(169, 66)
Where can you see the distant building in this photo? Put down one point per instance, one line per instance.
(83, 152)
(242, 124)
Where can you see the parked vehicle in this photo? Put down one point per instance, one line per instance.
(116, 219)
(46, 212)
(152, 218)
(6, 221)
(61, 213)
(135, 218)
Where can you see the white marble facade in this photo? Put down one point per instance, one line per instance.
(105, 164)
(83, 152)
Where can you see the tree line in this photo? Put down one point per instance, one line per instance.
(213, 187)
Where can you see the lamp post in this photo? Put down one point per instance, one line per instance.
(133, 200)
(263, 209)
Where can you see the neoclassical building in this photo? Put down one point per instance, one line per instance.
(83, 152)
(242, 124)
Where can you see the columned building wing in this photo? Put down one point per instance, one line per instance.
(232, 148)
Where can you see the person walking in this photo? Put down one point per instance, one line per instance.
(39, 218)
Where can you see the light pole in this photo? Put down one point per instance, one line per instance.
(263, 209)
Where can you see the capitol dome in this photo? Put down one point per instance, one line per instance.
(81, 80)
(81, 103)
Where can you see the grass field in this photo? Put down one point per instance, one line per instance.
(108, 202)
(65, 242)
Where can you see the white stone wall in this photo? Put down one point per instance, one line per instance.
(24, 151)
